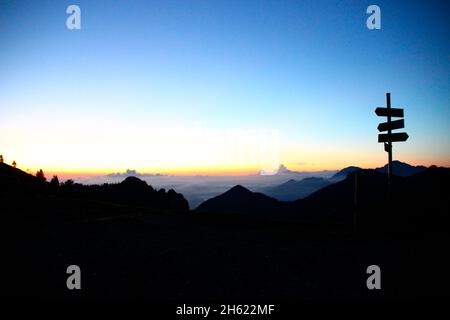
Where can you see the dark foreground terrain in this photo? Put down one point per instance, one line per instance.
(138, 251)
(172, 257)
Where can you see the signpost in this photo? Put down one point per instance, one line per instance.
(386, 112)
(397, 124)
(394, 137)
(389, 137)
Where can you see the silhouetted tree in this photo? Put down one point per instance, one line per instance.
(69, 183)
(54, 182)
(1, 158)
(40, 175)
(14, 163)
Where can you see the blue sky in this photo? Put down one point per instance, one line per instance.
(310, 69)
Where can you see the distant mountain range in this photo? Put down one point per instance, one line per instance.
(428, 189)
(238, 199)
(295, 189)
(421, 197)
(299, 189)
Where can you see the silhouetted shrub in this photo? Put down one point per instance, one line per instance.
(68, 183)
(55, 181)
(40, 175)
(54, 184)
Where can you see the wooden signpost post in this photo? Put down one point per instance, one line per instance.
(386, 139)
(389, 137)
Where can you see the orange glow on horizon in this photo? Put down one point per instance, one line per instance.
(70, 173)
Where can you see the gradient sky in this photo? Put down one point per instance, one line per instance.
(156, 85)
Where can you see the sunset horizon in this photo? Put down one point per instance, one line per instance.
(224, 158)
(72, 174)
(212, 89)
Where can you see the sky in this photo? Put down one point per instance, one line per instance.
(220, 87)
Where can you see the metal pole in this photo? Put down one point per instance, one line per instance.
(355, 212)
(388, 104)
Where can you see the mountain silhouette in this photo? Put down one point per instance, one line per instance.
(331, 200)
(133, 234)
(134, 185)
(239, 200)
(16, 184)
(295, 189)
(16, 181)
(402, 169)
(413, 199)
(337, 201)
(342, 174)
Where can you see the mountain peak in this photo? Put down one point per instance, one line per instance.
(402, 169)
(342, 174)
(134, 182)
(239, 200)
(238, 189)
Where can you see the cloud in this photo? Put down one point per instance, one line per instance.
(282, 169)
(133, 173)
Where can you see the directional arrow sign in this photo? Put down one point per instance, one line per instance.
(393, 137)
(385, 112)
(397, 124)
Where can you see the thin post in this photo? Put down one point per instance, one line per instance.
(355, 211)
(389, 144)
